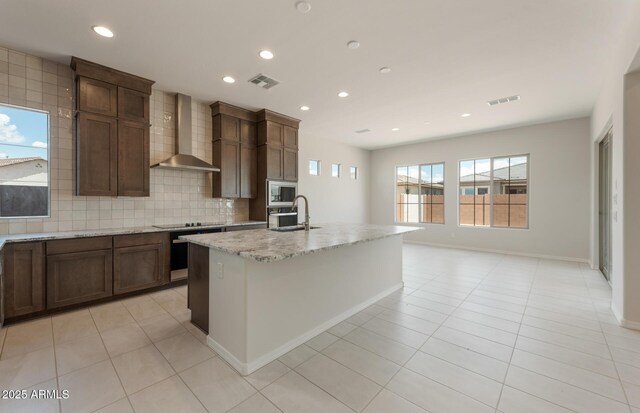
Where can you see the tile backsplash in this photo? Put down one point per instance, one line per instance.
(176, 196)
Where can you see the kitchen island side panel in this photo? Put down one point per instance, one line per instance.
(289, 302)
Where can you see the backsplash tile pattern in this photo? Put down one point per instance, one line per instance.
(176, 196)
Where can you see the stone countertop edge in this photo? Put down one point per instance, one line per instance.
(46, 236)
(275, 252)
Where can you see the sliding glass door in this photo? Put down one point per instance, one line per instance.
(605, 205)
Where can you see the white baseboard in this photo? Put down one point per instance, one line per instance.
(520, 254)
(633, 325)
(248, 368)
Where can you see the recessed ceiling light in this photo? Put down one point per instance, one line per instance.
(305, 108)
(385, 70)
(103, 31)
(465, 115)
(395, 129)
(303, 6)
(228, 79)
(343, 94)
(426, 122)
(353, 44)
(266, 54)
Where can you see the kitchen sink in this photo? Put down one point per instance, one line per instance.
(291, 228)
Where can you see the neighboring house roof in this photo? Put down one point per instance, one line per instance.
(518, 172)
(15, 161)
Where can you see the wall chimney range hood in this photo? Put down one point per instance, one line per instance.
(184, 159)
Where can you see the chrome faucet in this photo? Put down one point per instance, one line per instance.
(306, 210)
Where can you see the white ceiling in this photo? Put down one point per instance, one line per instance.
(447, 57)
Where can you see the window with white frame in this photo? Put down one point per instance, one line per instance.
(494, 192)
(420, 193)
(353, 171)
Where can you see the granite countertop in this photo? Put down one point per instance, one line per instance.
(43, 236)
(267, 246)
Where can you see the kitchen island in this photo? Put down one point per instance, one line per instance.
(265, 292)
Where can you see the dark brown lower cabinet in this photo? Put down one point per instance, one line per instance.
(198, 290)
(79, 277)
(24, 285)
(140, 262)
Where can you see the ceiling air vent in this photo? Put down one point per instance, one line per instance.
(363, 131)
(264, 81)
(503, 100)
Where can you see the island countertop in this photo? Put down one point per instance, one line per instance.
(267, 246)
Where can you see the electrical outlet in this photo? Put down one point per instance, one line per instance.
(220, 270)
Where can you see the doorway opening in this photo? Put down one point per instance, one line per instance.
(604, 202)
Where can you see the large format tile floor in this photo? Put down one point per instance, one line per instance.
(470, 332)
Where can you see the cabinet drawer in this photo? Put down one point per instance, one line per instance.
(79, 277)
(140, 239)
(78, 245)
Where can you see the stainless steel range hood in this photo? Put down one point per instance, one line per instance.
(184, 158)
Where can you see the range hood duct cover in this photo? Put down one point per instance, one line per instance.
(184, 158)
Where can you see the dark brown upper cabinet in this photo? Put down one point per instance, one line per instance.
(112, 131)
(24, 279)
(234, 151)
(290, 164)
(133, 105)
(96, 155)
(290, 137)
(133, 159)
(226, 155)
(97, 97)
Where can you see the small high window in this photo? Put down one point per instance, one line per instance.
(24, 162)
(335, 170)
(314, 168)
(353, 171)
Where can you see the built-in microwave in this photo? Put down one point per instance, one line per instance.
(281, 193)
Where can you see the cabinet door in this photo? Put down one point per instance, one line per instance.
(271, 133)
(133, 159)
(290, 164)
(78, 277)
(290, 137)
(227, 183)
(96, 159)
(248, 171)
(97, 97)
(226, 127)
(139, 267)
(274, 162)
(133, 105)
(23, 278)
(248, 135)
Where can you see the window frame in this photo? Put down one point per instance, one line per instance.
(491, 226)
(444, 197)
(48, 149)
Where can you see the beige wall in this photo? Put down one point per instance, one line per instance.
(334, 199)
(559, 212)
(175, 196)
